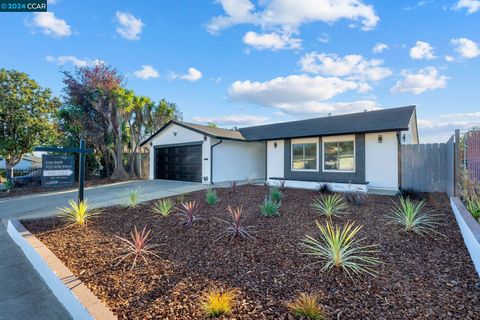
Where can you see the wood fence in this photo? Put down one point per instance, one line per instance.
(429, 167)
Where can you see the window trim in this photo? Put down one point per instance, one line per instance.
(305, 141)
(340, 139)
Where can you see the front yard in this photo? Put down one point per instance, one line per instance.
(430, 277)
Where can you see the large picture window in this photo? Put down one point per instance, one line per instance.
(304, 156)
(339, 156)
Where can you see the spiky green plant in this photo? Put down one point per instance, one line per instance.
(275, 194)
(340, 248)
(330, 205)
(163, 207)
(78, 213)
(306, 305)
(410, 217)
(133, 197)
(211, 197)
(269, 207)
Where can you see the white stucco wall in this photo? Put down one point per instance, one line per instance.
(23, 164)
(236, 160)
(381, 160)
(410, 135)
(183, 135)
(275, 159)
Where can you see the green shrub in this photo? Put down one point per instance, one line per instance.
(269, 207)
(330, 205)
(163, 207)
(275, 194)
(211, 197)
(133, 197)
(470, 194)
(340, 248)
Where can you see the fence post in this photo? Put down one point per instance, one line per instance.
(457, 162)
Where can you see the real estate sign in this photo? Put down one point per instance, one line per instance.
(57, 171)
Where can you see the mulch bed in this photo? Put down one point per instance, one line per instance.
(420, 278)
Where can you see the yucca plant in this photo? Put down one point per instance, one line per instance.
(78, 213)
(133, 197)
(275, 194)
(211, 197)
(330, 205)
(233, 186)
(340, 248)
(163, 207)
(409, 216)
(137, 247)
(306, 305)
(216, 303)
(188, 212)
(235, 227)
(269, 207)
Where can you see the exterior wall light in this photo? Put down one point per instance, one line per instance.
(275, 144)
(175, 134)
(404, 137)
(151, 144)
(204, 138)
(380, 138)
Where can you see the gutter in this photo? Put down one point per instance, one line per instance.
(211, 159)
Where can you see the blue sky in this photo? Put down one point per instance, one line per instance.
(245, 62)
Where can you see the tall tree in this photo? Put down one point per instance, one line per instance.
(26, 116)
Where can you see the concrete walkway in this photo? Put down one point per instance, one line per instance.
(23, 294)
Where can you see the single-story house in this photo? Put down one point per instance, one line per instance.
(350, 152)
(27, 162)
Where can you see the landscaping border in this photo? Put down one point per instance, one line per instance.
(79, 301)
(470, 230)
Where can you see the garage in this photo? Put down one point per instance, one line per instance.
(183, 163)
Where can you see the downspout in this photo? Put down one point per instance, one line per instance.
(211, 160)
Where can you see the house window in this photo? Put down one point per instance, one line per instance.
(304, 156)
(339, 156)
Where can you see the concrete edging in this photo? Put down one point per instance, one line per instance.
(470, 230)
(72, 293)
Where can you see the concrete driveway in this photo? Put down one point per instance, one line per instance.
(45, 204)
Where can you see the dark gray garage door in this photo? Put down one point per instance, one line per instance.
(183, 163)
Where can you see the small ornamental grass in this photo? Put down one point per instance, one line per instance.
(340, 248)
(188, 213)
(78, 214)
(133, 197)
(216, 303)
(331, 205)
(324, 188)
(235, 227)
(408, 215)
(306, 305)
(137, 247)
(163, 207)
(275, 194)
(281, 184)
(269, 207)
(211, 197)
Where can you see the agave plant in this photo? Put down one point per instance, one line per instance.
(235, 227)
(331, 205)
(163, 207)
(408, 215)
(133, 197)
(216, 303)
(78, 214)
(188, 213)
(275, 194)
(211, 197)
(269, 207)
(306, 305)
(137, 247)
(339, 248)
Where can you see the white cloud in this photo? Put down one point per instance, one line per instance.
(233, 120)
(466, 47)
(129, 26)
(192, 75)
(422, 50)
(272, 41)
(298, 94)
(380, 47)
(424, 79)
(62, 60)
(289, 15)
(441, 127)
(354, 67)
(51, 25)
(324, 38)
(449, 58)
(146, 72)
(472, 6)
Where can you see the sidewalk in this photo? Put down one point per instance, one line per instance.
(23, 294)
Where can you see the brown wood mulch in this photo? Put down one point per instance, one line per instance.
(420, 278)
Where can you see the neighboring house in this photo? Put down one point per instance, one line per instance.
(351, 152)
(27, 162)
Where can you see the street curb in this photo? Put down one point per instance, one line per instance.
(72, 293)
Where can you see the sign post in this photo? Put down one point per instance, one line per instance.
(59, 169)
